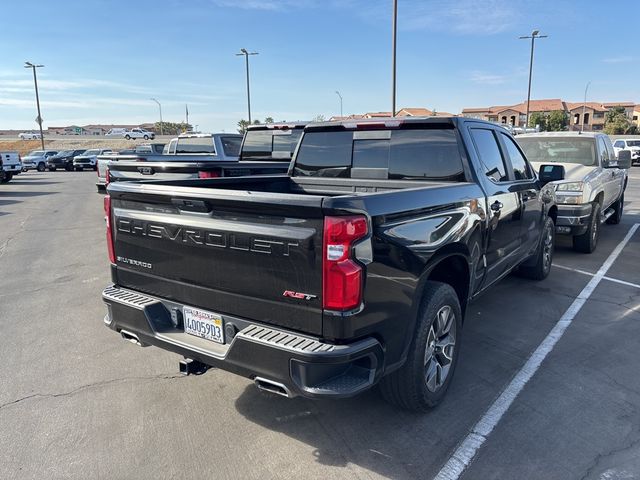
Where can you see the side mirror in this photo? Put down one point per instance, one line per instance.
(624, 160)
(551, 173)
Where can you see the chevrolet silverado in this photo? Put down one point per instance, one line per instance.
(354, 269)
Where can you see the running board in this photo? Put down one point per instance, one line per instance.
(607, 214)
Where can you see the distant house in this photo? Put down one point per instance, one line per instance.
(589, 116)
(592, 119)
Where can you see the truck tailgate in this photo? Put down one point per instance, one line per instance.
(233, 253)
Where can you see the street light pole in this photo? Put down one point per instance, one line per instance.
(338, 93)
(584, 104)
(393, 57)
(243, 51)
(160, 107)
(35, 82)
(535, 34)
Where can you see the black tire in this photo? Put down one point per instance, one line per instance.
(408, 386)
(41, 167)
(127, 137)
(7, 177)
(68, 168)
(146, 137)
(540, 266)
(79, 169)
(52, 169)
(588, 241)
(24, 169)
(618, 207)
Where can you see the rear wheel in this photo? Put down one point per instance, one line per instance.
(68, 167)
(146, 137)
(617, 211)
(7, 177)
(41, 167)
(587, 242)
(52, 169)
(128, 137)
(423, 380)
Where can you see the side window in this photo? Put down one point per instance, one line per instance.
(489, 152)
(619, 144)
(521, 170)
(610, 150)
(602, 150)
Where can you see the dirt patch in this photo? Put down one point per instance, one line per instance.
(25, 146)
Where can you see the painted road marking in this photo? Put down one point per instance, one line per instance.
(467, 450)
(611, 279)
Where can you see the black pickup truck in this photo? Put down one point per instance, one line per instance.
(354, 269)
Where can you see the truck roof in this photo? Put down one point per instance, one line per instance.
(392, 122)
(207, 135)
(279, 126)
(561, 134)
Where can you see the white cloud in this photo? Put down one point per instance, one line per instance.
(620, 59)
(487, 78)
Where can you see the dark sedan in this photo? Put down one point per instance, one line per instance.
(63, 159)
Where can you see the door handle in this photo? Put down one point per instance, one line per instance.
(496, 206)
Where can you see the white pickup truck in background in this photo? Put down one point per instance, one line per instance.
(631, 144)
(11, 165)
(592, 191)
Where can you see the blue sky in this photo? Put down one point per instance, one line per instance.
(105, 59)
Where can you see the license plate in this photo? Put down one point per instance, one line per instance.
(203, 324)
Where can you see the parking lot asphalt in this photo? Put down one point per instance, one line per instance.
(76, 401)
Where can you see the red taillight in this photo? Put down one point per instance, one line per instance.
(107, 217)
(209, 174)
(342, 276)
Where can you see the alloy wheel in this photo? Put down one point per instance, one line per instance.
(438, 355)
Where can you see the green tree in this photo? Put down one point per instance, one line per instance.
(538, 119)
(318, 118)
(242, 126)
(557, 121)
(268, 120)
(171, 128)
(616, 121)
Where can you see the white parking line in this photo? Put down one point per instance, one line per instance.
(469, 447)
(611, 279)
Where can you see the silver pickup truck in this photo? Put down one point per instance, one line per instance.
(592, 191)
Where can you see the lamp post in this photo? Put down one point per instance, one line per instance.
(393, 57)
(338, 93)
(535, 34)
(35, 82)
(243, 51)
(160, 107)
(584, 104)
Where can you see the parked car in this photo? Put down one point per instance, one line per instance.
(37, 159)
(88, 159)
(631, 144)
(29, 136)
(139, 133)
(11, 165)
(592, 191)
(63, 159)
(195, 156)
(354, 269)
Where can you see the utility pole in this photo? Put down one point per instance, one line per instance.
(243, 51)
(338, 93)
(160, 107)
(35, 82)
(584, 104)
(535, 34)
(393, 57)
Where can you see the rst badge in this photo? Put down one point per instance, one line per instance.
(298, 295)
